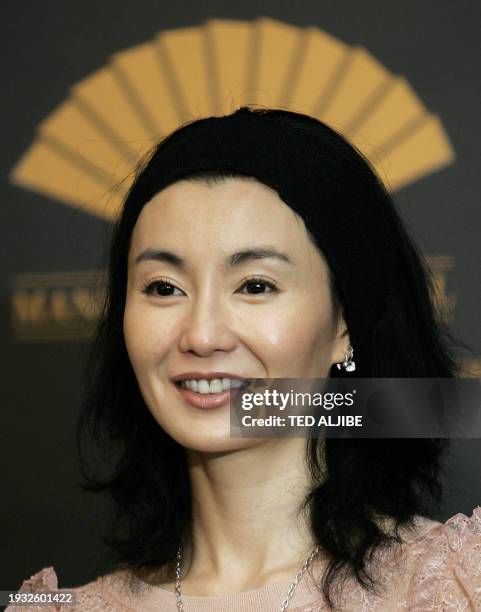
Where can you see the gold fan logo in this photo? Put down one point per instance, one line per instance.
(86, 151)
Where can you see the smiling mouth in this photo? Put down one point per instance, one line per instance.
(212, 386)
(208, 394)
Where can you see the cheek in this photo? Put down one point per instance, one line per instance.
(298, 334)
(144, 335)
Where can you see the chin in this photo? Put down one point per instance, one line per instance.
(214, 444)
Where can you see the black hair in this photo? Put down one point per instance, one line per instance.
(355, 481)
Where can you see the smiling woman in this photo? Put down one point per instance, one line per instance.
(262, 245)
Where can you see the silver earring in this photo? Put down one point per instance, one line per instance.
(348, 364)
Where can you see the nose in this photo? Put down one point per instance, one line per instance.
(205, 328)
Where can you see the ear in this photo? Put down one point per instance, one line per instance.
(341, 341)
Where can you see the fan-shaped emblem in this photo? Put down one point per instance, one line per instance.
(86, 151)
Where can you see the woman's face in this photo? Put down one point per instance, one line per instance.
(223, 278)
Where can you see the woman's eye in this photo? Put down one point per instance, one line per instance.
(159, 288)
(165, 289)
(256, 286)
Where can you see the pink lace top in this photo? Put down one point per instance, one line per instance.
(438, 568)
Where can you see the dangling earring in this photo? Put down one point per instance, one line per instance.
(348, 364)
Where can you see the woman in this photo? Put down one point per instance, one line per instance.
(261, 244)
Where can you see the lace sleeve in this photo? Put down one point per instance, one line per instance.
(449, 573)
(44, 580)
(88, 598)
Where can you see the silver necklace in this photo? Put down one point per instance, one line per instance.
(285, 603)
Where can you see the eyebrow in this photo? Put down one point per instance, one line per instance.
(236, 259)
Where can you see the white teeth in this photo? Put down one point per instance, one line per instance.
(215, 385)
(203, 386)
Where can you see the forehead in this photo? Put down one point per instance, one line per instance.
(203, 219)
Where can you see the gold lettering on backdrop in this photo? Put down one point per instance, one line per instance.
(29, 307)
(84, 305)
(56, 305)
(59, 306)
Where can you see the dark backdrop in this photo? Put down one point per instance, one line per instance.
(46, 47)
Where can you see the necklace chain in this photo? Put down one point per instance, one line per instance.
(285, 603)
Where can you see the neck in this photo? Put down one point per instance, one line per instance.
(247, 528)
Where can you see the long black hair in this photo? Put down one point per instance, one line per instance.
(354, 481)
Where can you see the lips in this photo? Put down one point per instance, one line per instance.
(206, 400)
